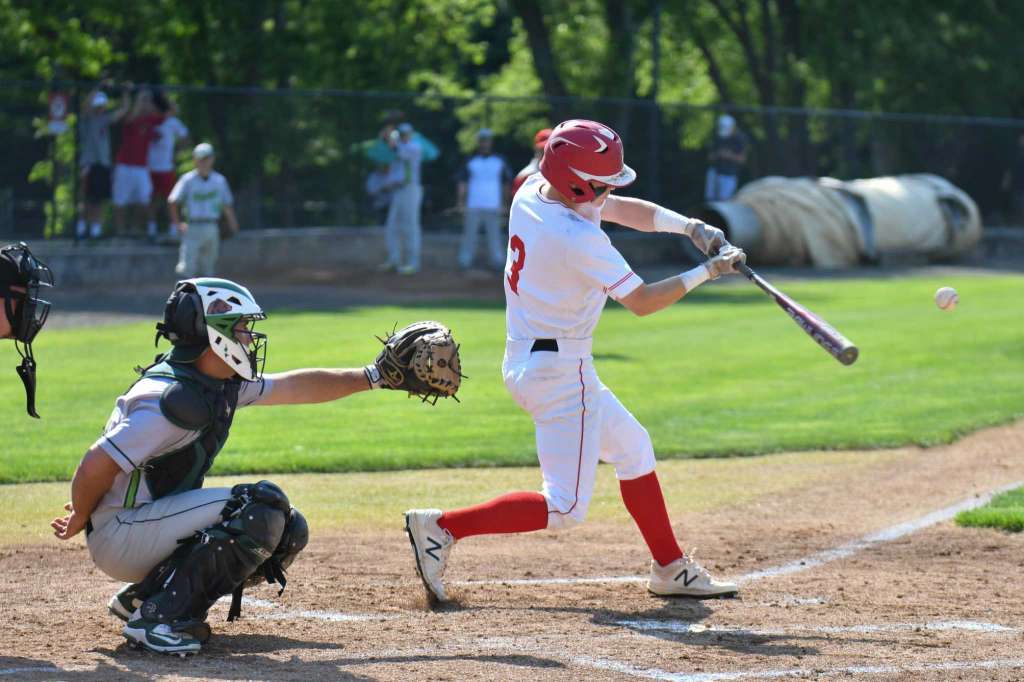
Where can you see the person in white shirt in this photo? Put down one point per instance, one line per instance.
(402, 230)
(204, 194)
(170, 135)
(483, 193)
(560, 270)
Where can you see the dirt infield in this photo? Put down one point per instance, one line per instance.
(875, 582)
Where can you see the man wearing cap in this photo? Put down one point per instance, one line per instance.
(94, 160)
(22, 276)
(728, 155)
(539, 139)
(204, 194)
(402, 229)
(483, 192)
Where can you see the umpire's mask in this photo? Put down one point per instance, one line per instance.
(22, 275)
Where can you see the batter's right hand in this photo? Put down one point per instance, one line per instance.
(725, 262)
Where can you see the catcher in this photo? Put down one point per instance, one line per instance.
(22, 275)
(138, 491)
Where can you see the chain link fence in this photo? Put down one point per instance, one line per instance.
(300, 158)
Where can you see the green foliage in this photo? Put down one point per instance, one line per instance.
(1005, 512)
(725, 372)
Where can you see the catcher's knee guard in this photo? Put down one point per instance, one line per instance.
(218, 559)
(293, 540)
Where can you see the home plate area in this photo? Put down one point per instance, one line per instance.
(868, 578)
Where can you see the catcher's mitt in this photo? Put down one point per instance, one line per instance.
(422, 359)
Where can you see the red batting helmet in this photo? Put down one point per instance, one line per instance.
(581, 151)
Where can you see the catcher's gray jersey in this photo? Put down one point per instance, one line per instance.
(132, 533)
(138, 431)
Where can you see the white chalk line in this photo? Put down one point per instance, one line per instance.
(279, 613)
(814, 560)
(685, 628)
(666, 676)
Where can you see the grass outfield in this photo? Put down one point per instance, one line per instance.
(374, 502)
(1005, 512)
(723, 373)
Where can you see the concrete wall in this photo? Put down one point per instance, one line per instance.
(287, 252)
(267, 253)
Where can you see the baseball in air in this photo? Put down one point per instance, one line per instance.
(946, 298)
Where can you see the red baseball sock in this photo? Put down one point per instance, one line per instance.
(642, 497)
(508, 513)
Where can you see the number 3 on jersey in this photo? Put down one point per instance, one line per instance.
(516, 246)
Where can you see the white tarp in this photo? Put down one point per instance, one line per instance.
(830, 223)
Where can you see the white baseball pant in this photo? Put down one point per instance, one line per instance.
(402, 229)
(490, 220)
(578, 421)
(199, 249)
(128, 543)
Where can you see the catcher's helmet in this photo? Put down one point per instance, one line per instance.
(579, 152)
(22, 277)
(204, 312)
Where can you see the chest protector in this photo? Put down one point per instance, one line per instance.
(195, 402)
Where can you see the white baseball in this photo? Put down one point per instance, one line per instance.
(946, 298)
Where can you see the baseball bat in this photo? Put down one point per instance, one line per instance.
(827, 336)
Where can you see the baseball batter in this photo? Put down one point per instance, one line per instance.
(560, 270)
(22, 275)
(138, 492)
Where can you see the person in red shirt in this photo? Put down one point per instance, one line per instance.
(538, 152)
(132, 186)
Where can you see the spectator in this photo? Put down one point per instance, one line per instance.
(170, 134)
(483, 193)
(205, 195)
(132, 187)
(728, 155)
(380, 185)
(539, 140)
(1013, 183)
(94, 161)
(402, 230)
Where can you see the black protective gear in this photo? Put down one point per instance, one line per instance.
(184, 323)
(20, 269)
(195, 402)
(273, 570)
(219, 559)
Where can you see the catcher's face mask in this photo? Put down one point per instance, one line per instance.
(22, 276)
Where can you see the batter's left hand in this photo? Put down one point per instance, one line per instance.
(69, 526)
(706, 238)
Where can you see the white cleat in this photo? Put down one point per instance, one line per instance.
(684, 577)
(431, 545)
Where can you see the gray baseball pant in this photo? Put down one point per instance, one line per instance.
(402, 230)
(127, 543)
(490, 219)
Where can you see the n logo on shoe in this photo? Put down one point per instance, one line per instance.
(434, 546)
(685, 575)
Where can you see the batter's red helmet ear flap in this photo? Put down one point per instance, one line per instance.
(579, 152)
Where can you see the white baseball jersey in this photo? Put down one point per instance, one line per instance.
(160, 157)
(202, 197)
(560, 269)
(137, 431)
